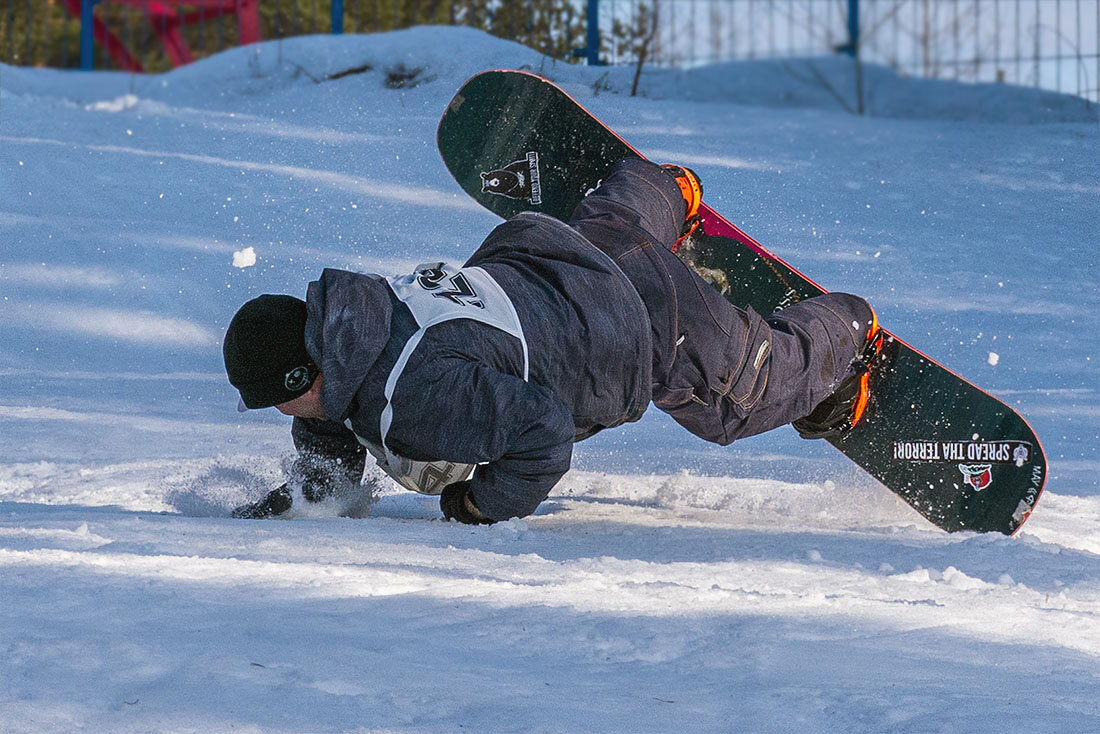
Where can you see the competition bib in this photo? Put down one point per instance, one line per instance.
(435, 294)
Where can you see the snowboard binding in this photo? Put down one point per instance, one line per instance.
(839, 413)
(691, 188)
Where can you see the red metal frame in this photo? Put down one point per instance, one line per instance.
(166, 18)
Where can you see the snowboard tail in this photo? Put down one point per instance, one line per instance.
(959, 456)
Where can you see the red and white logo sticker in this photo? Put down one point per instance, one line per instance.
(978, 476)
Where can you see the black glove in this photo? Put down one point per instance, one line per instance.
(275, 503)
(323, 476)
(457, 503)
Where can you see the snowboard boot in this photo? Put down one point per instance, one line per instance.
(274, 504)
(691, 188)
(841, 411)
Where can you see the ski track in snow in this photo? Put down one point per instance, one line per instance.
(666, 584)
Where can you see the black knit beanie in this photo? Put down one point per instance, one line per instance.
(265, 351)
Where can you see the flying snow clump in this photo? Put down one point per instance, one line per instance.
(245, 258)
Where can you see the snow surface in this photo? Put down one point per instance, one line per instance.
(667, 584)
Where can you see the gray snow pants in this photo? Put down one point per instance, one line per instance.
(721, 372)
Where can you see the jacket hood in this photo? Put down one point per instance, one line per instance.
(347, 326)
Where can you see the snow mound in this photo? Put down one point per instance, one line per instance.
(446, 56)
(738, 501)
(830, 83)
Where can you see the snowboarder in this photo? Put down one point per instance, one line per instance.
(474, 383)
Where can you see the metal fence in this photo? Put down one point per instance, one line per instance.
(1051, 44)
(1044, 43)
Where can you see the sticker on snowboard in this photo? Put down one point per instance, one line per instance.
(518, 180)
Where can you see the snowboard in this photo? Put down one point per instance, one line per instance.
(959, 456)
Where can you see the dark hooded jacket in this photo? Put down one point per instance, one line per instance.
(461, 396)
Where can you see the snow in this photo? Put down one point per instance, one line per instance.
(667, 583)
(245, 258)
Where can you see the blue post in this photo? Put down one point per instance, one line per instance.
(87, 39)
(852, 49)
(592, 39)
(337, 16)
